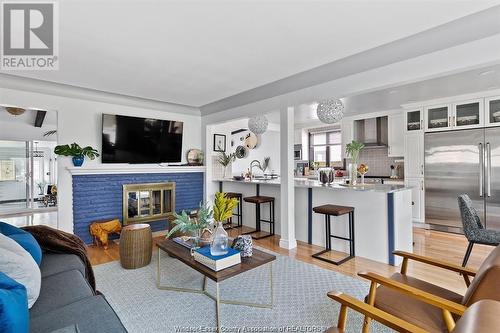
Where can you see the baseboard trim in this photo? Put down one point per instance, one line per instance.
(288, 244)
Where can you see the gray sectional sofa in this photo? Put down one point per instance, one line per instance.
(67, 302)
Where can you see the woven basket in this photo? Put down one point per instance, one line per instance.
(136, 243)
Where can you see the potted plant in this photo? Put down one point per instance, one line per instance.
(194, 226)
(78, 153)
(225, 160)
(223, 210)
(352, 151)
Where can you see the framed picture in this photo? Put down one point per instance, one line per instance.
(219, 142)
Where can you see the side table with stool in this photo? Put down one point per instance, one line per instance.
(334, 210)
(259, 200)
(136, 244)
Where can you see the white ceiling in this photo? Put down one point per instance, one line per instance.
(197, 52)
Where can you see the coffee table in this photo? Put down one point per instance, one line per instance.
(183, 254)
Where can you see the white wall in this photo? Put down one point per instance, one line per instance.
(79, 120)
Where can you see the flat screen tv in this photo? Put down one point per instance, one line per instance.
(140, 140)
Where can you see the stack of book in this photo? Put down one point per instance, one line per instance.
(217, 263)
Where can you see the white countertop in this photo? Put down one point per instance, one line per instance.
(308, 183)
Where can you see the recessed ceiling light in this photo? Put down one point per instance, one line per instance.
(411, 101)
(487, 72)
(493, 87)
(393, 91)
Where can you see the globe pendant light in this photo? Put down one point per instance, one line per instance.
(330, 111)
(258, 124)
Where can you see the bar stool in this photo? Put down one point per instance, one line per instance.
(329, 211)
(258, 200)
(239, 209)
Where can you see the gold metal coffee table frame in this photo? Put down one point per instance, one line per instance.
(215, 297)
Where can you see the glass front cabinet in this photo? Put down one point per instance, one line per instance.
(492, 111)
(414, 120)
(438, 118)
(468, 114)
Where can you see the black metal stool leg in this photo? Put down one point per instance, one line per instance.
(467, 253)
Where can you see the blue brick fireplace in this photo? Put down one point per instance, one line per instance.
(100, 196)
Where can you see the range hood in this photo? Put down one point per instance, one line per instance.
(372, 132)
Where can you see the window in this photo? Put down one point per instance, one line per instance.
(325, 148)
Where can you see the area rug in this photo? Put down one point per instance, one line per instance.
(300, 301)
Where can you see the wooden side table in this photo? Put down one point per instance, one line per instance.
(136, 246)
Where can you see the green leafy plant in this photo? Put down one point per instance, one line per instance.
(185, 224)
(223, 206)
(353, 149)
(226, 159)
(74, 149)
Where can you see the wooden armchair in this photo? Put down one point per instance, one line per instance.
(481, 317)
(429, 306)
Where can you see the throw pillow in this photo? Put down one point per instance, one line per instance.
(19, 265)
(23, 238)
(13, 306)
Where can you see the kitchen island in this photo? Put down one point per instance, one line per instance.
(383, 214)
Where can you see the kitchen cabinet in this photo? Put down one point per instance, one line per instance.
(396, 135)
(414, 120)
(468, 114)
(438, 118)
(417, 198)
(414, 154)
(492, 111)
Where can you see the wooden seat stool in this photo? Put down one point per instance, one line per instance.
(329, 211)
(259, 200)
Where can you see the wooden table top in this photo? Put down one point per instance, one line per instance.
(183, 254)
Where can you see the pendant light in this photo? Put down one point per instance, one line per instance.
(258, 124)
(330, 111)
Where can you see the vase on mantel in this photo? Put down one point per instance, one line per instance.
(353, 173)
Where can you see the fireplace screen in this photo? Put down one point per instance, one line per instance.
(148, 202)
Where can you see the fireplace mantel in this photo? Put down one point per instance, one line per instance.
(131, 168)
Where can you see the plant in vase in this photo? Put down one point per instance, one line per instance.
(198, 227)
(362, 169)
(352, 151)
(78, 153)
(223, 210)
(225, 160)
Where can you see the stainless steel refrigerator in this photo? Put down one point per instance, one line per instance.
(464, 161)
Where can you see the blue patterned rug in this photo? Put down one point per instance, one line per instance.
(300, 301)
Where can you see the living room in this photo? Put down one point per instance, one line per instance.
(249, 166)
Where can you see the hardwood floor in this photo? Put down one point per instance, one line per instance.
(435, 244)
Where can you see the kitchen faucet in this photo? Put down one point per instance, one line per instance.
(254, 163)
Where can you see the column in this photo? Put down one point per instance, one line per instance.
(287, 194)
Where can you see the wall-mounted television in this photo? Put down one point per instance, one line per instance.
(140, 140)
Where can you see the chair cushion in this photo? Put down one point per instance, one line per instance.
(23, 238)
(60, 290)
(333, 210)
(19, 265)
(407, 308)
(13, 306)
(53, 263)
(90, 315)
(481, 317)
(485, 283)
